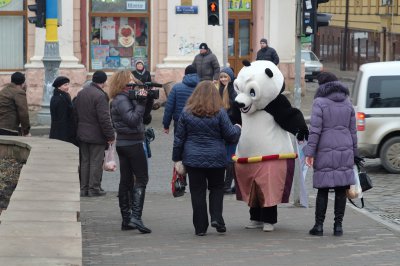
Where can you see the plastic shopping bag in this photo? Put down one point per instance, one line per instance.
(355, 191)
(109, 163)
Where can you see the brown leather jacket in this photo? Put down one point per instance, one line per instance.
(14, 109)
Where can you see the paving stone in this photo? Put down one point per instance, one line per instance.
(38, 216)
(32, 228)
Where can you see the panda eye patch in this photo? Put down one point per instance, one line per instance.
(252, 93)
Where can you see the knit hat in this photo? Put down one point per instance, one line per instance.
(139, 62)
(264, 40)
(325, 77)
(59, 81)
(203, 45)
(18, 78)
(228, 71)
(99, 77)
(190, 70)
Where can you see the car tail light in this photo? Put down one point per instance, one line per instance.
(360, 121)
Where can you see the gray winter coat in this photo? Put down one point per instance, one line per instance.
(207, 66)
(332, 140)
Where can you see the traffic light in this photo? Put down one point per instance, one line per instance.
(311, 18)
(321, 19)
(40, 10)
(213, 12)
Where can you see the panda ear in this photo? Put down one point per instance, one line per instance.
(269, 72)
(246, 63)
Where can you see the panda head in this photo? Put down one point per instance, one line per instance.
(257, 84)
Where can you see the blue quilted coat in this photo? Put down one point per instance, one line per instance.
(200, 141)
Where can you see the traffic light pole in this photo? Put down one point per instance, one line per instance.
(51, 60)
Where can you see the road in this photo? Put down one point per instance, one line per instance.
(382, 201)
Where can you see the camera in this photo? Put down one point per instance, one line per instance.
(151, 93)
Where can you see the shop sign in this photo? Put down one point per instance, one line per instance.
(186, 10)
(4, 2)
(135, 5)
(239, 5)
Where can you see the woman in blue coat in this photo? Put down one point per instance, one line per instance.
(199, 142)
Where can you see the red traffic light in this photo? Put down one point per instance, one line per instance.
(213, 7)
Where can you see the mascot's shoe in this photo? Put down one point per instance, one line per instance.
(219, 227)
(254, 224)
(317, 230)
(268, 227)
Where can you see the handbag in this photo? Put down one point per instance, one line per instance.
(178, 184)
(109, 163)
(364, 182)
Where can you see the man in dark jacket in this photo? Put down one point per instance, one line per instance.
(14, 107)
(206, 64)
(94, 132)
(267, 53)
(177, 98)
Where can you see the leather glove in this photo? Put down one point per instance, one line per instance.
(359, 161)
(302, 134)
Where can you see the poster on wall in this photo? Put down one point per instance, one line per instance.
(108, 30)
(113, 62)
(239, 5)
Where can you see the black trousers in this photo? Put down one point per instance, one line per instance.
(133, 167)
(265, 214)
(199, 180)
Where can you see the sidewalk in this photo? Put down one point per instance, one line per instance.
(172, 242)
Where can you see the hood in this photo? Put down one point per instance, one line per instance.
(191, 80)
(334, 90)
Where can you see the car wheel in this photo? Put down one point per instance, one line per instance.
(390, 155)
(310, 80)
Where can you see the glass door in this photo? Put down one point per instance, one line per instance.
(239, 42)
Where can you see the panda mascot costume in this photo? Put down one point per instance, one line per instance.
(265, 158)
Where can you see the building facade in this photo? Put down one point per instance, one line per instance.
(114, 34)
(373, 32)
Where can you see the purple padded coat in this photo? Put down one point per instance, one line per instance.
(333, 137)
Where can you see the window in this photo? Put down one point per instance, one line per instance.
(119, 34)
(383, 92)
(12, 37)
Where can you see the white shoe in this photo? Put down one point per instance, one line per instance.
(268, 227)
(254, 224)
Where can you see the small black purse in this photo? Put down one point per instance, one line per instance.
(365, 183)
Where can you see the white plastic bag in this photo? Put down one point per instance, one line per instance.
(109, 163)
(355, 191)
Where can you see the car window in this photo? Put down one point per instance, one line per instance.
(383, 92)
(305, 56)
(313, 57)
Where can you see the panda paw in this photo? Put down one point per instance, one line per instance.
(302, 134)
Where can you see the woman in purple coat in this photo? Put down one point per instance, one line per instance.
(331, 148)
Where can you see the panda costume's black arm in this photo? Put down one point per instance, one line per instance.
(289, 118)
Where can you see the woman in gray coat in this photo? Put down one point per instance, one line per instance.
(331, 148)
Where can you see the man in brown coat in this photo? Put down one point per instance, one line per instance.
(14, 107)
(94, 132)
(206, 64)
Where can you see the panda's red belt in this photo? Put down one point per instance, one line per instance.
(257, 159)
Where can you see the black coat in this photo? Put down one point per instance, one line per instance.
(62, 120)
(143, 76)
(269, 54)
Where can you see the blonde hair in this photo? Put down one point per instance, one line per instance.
(118, 82)
(225, 94)
(205, 100)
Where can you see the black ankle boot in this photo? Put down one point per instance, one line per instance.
(337, 229)
(317, 230)
(124, 206)
(137, 209)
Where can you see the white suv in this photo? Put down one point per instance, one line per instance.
(376, 97)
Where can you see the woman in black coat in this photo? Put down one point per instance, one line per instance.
(141, 73)
(61, 111)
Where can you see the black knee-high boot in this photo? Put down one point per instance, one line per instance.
(137, 209)
(124, 206)
(340, 206)
(320, 211)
